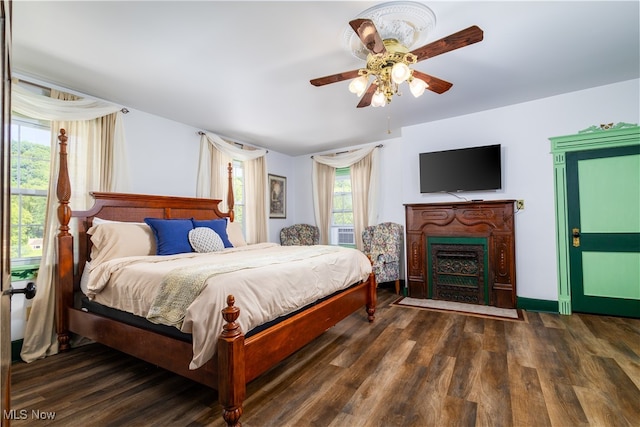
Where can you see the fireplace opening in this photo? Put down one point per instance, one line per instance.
(458, 269)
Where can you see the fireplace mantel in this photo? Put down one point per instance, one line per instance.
(492, 220)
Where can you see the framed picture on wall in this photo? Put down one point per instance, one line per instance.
(277, 196)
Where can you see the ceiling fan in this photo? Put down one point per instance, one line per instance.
(388, 62)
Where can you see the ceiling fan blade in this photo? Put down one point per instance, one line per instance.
(365, 101)
(454, 41)
(366, 30)
(435, 84)
(334, 78)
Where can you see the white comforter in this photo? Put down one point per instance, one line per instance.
(262, 292)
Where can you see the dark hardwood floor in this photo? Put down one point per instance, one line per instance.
(410, 367)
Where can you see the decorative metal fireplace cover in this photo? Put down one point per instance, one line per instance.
(458, 270)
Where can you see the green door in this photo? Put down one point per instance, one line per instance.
(603, 212)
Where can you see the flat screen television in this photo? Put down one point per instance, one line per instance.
(464, 169)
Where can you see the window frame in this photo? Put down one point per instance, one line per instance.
(341, 174)
(239, 193)
(17, 123)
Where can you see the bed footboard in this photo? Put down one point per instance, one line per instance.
(241, 361)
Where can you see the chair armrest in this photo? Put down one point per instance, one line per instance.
(388, 258)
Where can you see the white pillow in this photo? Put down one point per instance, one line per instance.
(204, 239)
(120, 239)
(234, 233)
(98, 221)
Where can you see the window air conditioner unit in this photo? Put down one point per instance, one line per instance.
(346, 236)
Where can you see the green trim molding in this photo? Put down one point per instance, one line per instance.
(542, 305)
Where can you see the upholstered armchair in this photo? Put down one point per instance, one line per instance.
(300, 235)
(383, 244)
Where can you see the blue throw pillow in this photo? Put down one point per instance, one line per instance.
(172, 235)
(217, 225)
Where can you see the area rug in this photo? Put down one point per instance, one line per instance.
(461, 308)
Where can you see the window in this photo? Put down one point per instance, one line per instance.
(238, 192)
(342, 232)
(30, 161)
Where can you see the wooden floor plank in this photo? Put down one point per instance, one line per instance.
(524, 381)
(494, 401)
(562, 404)
(467, 367)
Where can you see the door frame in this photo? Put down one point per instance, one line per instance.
(592, 138)
(5, 203)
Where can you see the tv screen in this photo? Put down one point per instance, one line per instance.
(465, 169)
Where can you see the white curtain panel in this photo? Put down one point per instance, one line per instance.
(96, 161)
(360, 178)
(322, 181)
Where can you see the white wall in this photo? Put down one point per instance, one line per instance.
(281, 164)
(163, 159)
(523, 130)
(162, 154)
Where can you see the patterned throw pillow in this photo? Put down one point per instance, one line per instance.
(204, 239)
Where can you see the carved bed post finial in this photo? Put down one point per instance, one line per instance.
(231, 365)
(63, 187)
(230, 201)
(64, 272)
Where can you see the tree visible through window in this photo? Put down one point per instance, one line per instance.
(342, 215)
(30, 163)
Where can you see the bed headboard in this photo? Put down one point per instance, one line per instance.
(135, 208)
(116, 207)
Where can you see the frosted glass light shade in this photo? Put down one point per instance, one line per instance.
(378, 99)
(417, 87)
(400, 72)
(358, 85)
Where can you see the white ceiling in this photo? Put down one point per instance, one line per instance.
(242, 69)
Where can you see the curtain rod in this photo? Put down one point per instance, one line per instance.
(342, 152)
(241, 145)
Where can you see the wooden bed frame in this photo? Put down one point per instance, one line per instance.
(239, 360)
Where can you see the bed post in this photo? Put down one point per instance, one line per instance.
(230, 200)
(231, 366)
(64, 271)
(372, 297)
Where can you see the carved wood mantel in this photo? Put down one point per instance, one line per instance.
(493, 220)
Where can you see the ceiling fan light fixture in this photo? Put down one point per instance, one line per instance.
(358, 85)
(378, 99)
(417, 87)
(400, 72)
(387, 39)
